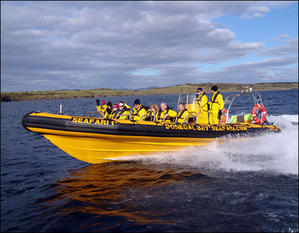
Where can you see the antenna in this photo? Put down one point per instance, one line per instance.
(60, 109)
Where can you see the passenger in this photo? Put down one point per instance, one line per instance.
(146, 108)
(202, 101)
(104, 109)
(99, 108)
(165, 113)
(107, 109)
(138, 111)
(124, 111)
(114, 111)
(182, 113)
(216, 106)
(152, 112)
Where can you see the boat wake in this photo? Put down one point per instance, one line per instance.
(270, 152)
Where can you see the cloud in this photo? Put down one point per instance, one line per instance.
(58, 45)
(290, 48)
(281, 36)
(267, 70)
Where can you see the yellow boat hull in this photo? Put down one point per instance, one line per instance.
(101, 148)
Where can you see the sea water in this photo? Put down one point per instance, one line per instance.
(248, 184)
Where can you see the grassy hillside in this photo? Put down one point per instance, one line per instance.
(178, 89)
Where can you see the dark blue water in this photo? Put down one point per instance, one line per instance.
(249, 184)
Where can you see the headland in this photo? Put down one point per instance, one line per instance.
(178, 89)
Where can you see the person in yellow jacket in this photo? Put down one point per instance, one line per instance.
(124, 111)
(216, 105)
(138, 111)
(105, 109)
(182, 114)
(114, 112)
(165, 114)
(99, 107)
(152, 112)
(202, 106)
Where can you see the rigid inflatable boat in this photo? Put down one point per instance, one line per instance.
(98, 140)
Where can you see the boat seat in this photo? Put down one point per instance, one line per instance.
(241, 118)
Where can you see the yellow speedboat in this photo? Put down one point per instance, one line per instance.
(97, 140)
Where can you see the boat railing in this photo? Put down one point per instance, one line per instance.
(257, 99)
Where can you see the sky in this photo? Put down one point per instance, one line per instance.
(140, 44)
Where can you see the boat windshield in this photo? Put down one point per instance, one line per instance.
(189, 101)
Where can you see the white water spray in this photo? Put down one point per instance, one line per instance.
(276, 152)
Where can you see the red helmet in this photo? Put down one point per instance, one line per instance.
(115, 106)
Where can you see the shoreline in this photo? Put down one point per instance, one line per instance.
(104, 92)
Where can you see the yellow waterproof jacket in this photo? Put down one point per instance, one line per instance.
(103, 109)
(113, 114)
(216, 102)
(151, 115)
(203, 114)
(99, 108)
(170, 112)
(202, 102)
(182, 115)
(124, 114)
(127, 107)
(136, 114)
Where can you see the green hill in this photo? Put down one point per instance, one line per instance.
(178, 89)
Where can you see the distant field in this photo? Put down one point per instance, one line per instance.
(179, 89)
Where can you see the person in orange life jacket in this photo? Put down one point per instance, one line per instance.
(114, 111)
(124, 111)
(202, 107)
(182, 113)
(216, 105)
(166, 113)
(138, 111)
